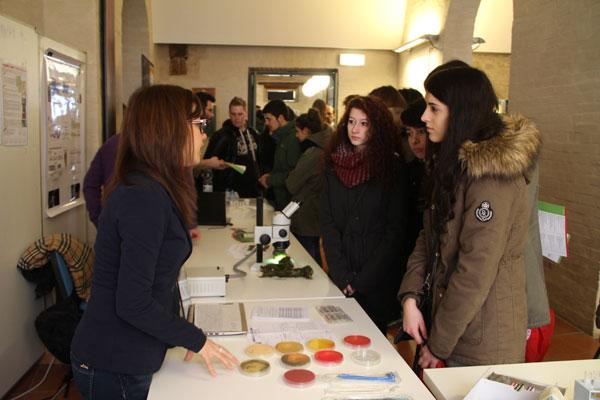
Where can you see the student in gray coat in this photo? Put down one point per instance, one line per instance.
(305, 182)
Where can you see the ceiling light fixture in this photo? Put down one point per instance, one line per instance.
(315, 84)
(476, 42)
(352, 59)
(432, 39)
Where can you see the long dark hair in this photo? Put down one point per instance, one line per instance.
(155, 132)
(382, 147)
(472, 104)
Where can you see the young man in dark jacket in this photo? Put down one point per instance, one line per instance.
(287, 152)
(235, 143)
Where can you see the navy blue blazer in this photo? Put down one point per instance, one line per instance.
(132, 316)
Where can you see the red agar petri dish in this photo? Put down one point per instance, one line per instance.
(357, 341)
(329, 357)
(299, 378)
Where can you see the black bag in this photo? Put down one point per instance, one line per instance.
(56, 326)
(426, 300)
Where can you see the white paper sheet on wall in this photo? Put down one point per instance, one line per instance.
(13, 84)
(553, 230)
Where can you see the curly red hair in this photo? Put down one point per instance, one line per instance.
(383, 146)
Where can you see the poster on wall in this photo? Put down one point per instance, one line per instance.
(13, 80)
(63, 133)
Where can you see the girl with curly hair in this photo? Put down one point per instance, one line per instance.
(470, 251)
(363, 208)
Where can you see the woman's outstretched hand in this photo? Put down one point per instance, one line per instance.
(212, 351)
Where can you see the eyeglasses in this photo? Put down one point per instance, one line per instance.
(201, 122)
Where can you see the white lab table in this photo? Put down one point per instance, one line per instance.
(455, 383)
(212, 249)
(180, 380)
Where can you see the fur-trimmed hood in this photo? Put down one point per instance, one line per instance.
(511, 154)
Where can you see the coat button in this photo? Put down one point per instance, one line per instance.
(433, 206)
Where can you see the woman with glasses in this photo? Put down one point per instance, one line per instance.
(133, 317)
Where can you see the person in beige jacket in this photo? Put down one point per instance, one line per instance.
(475, 227)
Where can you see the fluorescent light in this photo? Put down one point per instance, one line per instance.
(352, 59)
(415, 42)
(315, 84)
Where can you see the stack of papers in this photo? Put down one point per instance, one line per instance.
(272, 325)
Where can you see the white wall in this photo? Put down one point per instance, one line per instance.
(75, 24)
(373, 24)
(20, 215)
(226, 69)
(494, 24)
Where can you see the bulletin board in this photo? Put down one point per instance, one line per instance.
(63, 130)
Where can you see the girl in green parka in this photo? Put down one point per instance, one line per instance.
(305, 182)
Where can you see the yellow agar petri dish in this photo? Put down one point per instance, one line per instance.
(320, 344)
(289, 347)
(255, 367)
(259, 350)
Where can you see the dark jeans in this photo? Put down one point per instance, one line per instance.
(95, 384)
(311, 245)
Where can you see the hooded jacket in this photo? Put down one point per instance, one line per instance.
(479, 302)
(287, 154)
(305, 183)
(229, 145)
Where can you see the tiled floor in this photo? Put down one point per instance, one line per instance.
(568, 343)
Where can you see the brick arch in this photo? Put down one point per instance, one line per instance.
(457, 33)
(135, 42)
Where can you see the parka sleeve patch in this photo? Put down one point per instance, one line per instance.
(484, 212)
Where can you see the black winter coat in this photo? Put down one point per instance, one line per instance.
(363, 232)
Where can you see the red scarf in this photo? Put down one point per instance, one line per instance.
(350, 166)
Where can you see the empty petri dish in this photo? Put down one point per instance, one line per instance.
(255, 367)
(357, 341)
(329, 357)
(320, 344)
(366, 357)
(259, 350)
(289, 347)
(299, 378)
(294, 360)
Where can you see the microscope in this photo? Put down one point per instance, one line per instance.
(277, 234)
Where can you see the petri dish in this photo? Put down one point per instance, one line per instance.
(294, 360)
(329, 357)
(259, 350)
(320, 344)
(357, 341)
(366, 357)
(299, 378)
(255, 367)
(289, 347)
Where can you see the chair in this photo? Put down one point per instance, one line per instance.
(62, 276)
(64, 293)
